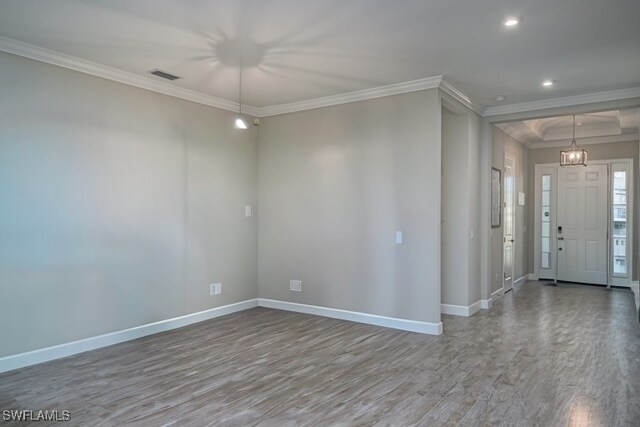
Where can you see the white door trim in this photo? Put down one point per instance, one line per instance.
(616, 281)
(511, 159)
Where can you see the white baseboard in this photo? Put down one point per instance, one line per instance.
(521, 280)
(461, 310)
(21, 360)
(486, 303)
(475, 307)
(497, 293)
(9, 363)
(371, 319)
(635, 287)
(454, 310)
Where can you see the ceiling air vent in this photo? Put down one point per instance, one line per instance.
(163, 74)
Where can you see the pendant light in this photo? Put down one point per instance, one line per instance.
(240, 123)
(574, 155)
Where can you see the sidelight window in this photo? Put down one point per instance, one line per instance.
(619, 216)
(545, 219)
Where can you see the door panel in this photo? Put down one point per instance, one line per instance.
(582, 224)
(509, 223)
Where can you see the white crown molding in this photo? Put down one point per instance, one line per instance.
(38, 53)
(146, 82)
(585, 141)
(566, 101)
(344, 98)
(456, 94)
(514, 133)
(88, 67)
(535, 144)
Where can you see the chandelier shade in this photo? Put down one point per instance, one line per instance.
(573, 155)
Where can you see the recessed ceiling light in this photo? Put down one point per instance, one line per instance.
(500, 98)
(547, 83)
(511, 22)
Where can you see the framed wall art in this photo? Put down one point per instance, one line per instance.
(496, 197)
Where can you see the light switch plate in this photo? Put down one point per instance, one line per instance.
(398, 237)
(247, 211)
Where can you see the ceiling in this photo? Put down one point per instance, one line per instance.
(592, 128)
(295, 50)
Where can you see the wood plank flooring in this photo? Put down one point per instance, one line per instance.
(542, 356)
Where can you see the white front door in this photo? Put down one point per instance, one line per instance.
(509, 222)
(582, 224)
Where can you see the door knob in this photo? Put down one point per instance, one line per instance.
(560, 238)
(512, 240)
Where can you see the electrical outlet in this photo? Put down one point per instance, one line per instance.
(295, 285)
(215, 288)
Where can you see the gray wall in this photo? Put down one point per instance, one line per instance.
(118, 206)
(501, 144)
(460, 217)
(609, 151)
(335, 184)
(476, 174)
(455, 209)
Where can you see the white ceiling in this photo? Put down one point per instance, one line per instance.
(297, 50)
(592, 128)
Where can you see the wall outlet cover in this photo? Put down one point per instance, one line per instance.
(215, 289)
(295, 285)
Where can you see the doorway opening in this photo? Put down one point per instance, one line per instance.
(582, 234)
(509, 209)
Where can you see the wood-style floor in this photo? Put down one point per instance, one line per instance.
(542, 356)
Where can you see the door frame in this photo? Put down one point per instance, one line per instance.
(508, 157)
(543, 168)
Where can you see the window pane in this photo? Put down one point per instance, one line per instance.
(546, 260)
(545, 244)
(545, 221)
(619, 241)
(545, 198)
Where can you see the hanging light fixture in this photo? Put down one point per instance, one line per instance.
(574, 155)
(240, 123)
